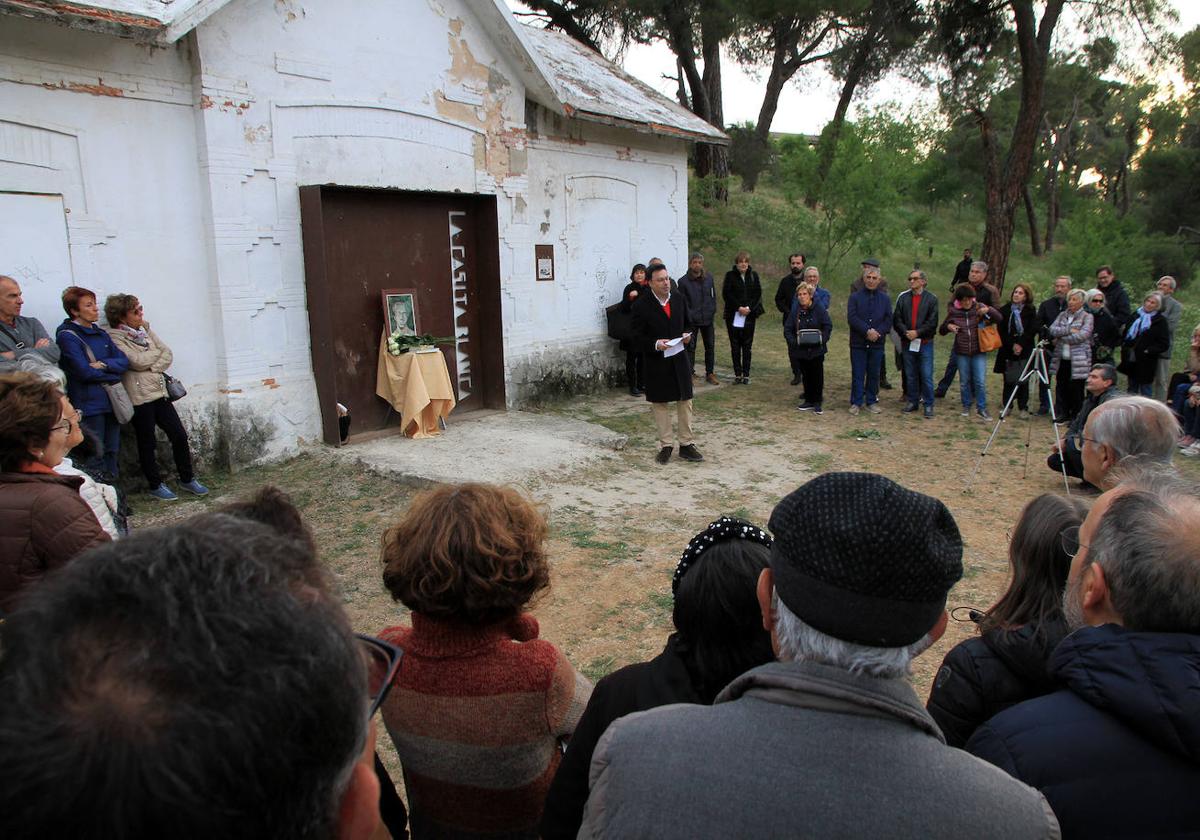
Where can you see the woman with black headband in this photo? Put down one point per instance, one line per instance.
(718, 636)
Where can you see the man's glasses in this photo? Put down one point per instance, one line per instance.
(1070, 541)
(383, 661)
(1079, 438)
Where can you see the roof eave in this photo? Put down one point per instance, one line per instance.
(715, 138)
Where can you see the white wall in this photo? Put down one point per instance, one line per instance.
(179, 170)
(108, 126)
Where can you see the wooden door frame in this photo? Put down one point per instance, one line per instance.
(319, 299)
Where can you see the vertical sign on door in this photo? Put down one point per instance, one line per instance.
(458, 285)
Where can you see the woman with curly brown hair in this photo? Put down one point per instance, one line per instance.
(480, 705)
(43, 521)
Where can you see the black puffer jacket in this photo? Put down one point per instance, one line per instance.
(1116, 751)
(983, 676)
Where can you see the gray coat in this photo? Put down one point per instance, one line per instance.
(1079, 342)
(800, 749)
(1172, 310)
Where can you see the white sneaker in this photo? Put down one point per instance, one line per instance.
(1192, 451)
(854, 410)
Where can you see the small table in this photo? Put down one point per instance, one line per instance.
(418, 386)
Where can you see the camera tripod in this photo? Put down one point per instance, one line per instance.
(1034, 368)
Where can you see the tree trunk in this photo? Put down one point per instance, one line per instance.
(1035, 244)
(1005, 185)
(786, 36)
(854, 74)
(718, 163)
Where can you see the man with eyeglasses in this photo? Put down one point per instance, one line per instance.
(1126, 430)
(1101, 386)
(24, 342)
(1116, 750)
(915, 320)
(197, 681)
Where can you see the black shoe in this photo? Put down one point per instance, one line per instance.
(795, 380)
(745, 380)
(909, 408)
(634, 392)
(885, 385)
(1043, 410)
(805, 406)
(664, 454)
(928, 412)
(690, 453)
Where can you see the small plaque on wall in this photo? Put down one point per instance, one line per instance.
(543, 256)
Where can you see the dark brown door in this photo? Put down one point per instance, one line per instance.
(359, 242)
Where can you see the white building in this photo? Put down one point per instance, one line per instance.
(256, 171)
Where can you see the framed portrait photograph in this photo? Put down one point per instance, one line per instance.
(400, 311)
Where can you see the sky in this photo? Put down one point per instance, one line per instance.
(809, 100)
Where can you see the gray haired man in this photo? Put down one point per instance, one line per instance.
(1116, 750)
(831, 740)
(1131, 427)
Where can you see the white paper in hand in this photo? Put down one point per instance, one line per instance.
(739, 320)
(915, 345)
(673, 348)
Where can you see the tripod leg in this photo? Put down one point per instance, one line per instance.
(1029, 371)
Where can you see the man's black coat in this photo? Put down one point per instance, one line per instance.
(667, 380)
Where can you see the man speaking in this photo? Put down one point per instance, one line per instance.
(658, 324)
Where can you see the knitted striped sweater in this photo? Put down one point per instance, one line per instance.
(476, 714)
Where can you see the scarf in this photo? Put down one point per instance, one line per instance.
(1140, 322)
(138, 336)
(1014, 322)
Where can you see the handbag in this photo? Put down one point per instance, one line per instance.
(175, 389)
(118, 397)
(808, 338)
(989, 338)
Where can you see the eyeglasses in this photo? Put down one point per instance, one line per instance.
(1070, 541)
(913, 279)
(382, 661)
(1079, 438)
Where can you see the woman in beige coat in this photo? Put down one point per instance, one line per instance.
(149, 359)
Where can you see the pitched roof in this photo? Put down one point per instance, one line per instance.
(559, 73)
(589, 87)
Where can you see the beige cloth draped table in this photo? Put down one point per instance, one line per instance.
(418, 386)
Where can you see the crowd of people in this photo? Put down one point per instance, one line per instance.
(1073, 345)
(111, 374)
(202, 679)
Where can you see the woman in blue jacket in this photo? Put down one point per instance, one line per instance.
(808, 328)
(85, 377)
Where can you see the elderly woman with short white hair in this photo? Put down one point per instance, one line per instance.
(1146, 339)
(1072, 356)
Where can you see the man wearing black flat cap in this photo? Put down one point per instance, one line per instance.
(831, 740)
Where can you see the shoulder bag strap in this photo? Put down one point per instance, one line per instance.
(86, 347)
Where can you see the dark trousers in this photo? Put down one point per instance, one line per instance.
(740, 341)
(707, 333)
(792, 358)
(812, 374)
(1022, 390)
(161, 413)
(1068, 392)
(1070, 458)
(948, 377)
(107, 433)
(635, 371)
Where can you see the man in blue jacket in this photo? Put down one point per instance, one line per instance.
(869, 314)
(1116, 751)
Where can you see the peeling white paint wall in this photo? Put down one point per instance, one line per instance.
(180, 170)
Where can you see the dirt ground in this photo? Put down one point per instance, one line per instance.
(620, 520)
